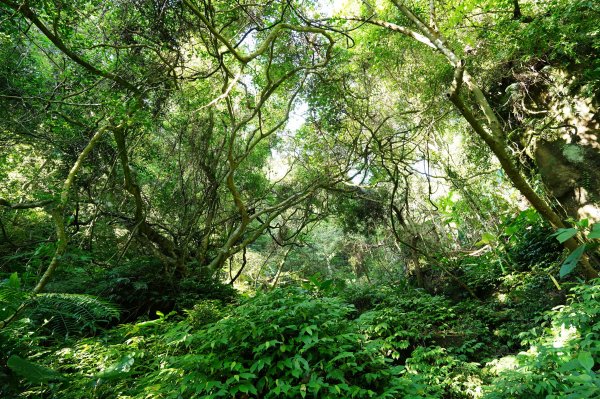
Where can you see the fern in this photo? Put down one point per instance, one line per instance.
(60, 313)
(11, 295)
(68, 313)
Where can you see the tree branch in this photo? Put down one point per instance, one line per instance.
(396, 28)
(26, 205)
(28, 13)
(264, 46)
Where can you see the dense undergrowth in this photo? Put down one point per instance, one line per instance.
(324, 340)
(498, 322)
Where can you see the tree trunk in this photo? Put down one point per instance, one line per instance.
(494, 135)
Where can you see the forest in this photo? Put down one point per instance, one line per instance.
(299, 199)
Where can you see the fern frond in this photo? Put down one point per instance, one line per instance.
(68, 313)
(11, 295)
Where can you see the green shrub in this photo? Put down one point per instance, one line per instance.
(413, 319)
(365, 296)
(449, 375)
(531, 245)
(289, 344)
(205, 312)
(134, 286)
(561, 361)
(282, 344)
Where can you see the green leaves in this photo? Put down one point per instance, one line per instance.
(14, 281)
(119, 369)
(247, 387)
(563, 235)
(560, 362)
(287, 343)
(586, 360)
(240, 355)
(67, 313)
(32, 372)
(595, 231)
(571, 262)
(11, 295)
(487, 238)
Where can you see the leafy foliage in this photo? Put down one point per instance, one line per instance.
(32, 372)
(291, 343)
(133, 286)
(281, 202)
(560, 360)
(281, 344)
(64, 314)
(413, 319)
(562, 235)
(11, 295)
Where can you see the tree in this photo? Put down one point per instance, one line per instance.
(159, 71)
(490, 131)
